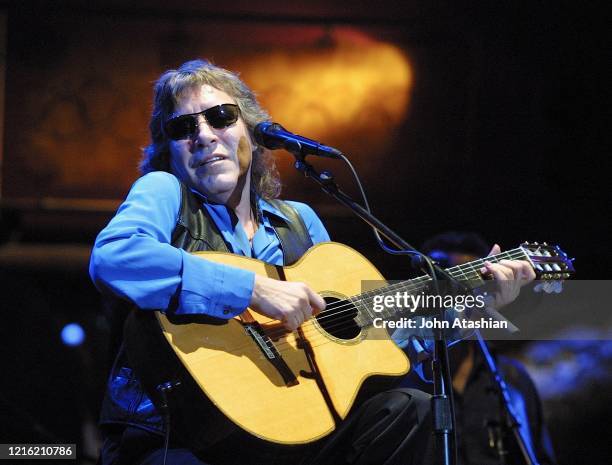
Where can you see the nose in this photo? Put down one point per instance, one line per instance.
(204, 135)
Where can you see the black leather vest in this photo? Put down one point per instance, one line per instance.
(125, 402)
(195, 231)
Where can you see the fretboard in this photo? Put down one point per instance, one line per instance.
(468, 274)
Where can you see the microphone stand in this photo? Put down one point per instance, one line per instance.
(443, 415)
(505, 402)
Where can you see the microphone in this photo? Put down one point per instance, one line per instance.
(274, 136)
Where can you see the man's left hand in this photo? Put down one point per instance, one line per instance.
(510, 275)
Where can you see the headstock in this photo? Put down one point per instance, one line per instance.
(549, 261)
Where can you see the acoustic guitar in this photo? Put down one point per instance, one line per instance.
(281, 386)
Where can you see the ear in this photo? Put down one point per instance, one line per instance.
(254, 145)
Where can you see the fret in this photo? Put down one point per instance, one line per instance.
(468, 274)
(364, 316)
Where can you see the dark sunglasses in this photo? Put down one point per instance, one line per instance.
(186, 126)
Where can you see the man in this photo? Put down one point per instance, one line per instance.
(202, 171)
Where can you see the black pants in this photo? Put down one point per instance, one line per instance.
(391, 428)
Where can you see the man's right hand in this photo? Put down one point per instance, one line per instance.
(288, 302)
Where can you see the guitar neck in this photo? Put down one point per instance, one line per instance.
(468, 274)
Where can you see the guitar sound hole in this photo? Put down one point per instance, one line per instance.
(338, 319)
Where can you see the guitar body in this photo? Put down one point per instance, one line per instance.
(227, 366)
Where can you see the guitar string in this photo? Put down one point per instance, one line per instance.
(328, 330)
(409, 285)
(336, 309)
(404, 285)
(460, 268)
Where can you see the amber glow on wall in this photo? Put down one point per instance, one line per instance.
(352, 92)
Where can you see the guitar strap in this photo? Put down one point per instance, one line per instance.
(195, 230)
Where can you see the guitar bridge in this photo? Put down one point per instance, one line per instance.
(264, 342)
(269, 350)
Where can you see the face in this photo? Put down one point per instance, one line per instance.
(215, 162)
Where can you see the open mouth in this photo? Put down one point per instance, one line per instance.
(212, 160)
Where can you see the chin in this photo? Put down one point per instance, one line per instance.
(217, 188)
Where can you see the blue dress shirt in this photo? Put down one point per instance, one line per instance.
(133, 258)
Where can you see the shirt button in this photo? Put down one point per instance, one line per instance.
(226, 310)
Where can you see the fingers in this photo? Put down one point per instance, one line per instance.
(528, 273)
(306, 311)
(289, 302)
(522, 270)
(510, 275)
(308, 303)
(510, 270)
(316, 301)
(292, 318)
(293, 321)
(314, 304)
(498, 271)
(495, 250)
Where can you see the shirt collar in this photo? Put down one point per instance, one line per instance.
(262, 205)
(268, 208)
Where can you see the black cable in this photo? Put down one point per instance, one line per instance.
(163, 389)
(428, 262)
(166, 438)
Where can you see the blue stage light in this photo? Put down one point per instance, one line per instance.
(73, 334)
